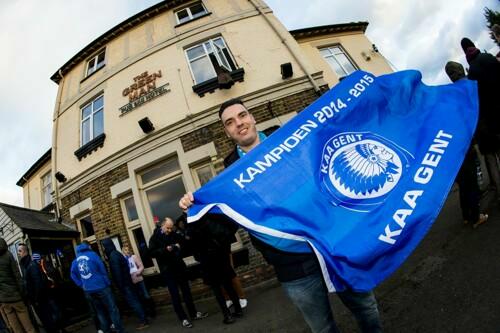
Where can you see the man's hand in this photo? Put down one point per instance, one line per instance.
(186, 201)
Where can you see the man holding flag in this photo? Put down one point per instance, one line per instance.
(298, 273)
(357, 179)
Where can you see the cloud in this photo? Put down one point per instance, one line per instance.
(38, 37)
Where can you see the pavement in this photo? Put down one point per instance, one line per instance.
(451, 283)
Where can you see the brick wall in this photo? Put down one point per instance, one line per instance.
(106, 212)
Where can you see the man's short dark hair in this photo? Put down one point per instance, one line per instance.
(228, 103)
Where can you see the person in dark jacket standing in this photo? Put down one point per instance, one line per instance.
(165, 245)
(212, 248)
(88, 272)
(485, 69)
(11, 292)
(468, 187)
(299, 273)
(118, 266)
(36, 289)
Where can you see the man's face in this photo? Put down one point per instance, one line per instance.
(168, 226)
(22, 251)
(239, 125)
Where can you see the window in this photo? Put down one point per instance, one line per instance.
(87, 228)
(46, 189)
(136, 235)
(208, 59)
(92, 123)
(190, 13)
(203, 173)
(338, 60)
(162, 186)
(96, 62)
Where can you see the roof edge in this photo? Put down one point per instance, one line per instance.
(34, 168)
(327, 29)
(118, 29)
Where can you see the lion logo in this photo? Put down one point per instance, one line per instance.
(360, 169)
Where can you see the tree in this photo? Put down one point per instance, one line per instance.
(492, 17)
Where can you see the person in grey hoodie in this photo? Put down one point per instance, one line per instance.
(11, 291)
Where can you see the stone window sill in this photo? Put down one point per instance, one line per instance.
(90, 146)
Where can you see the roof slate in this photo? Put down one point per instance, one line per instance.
(34, 220)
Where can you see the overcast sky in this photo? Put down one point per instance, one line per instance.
(37, 37)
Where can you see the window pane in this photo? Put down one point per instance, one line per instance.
(91, 66)
(325, 52)
(219, 42)
(197, 10)
(183, 15)
(87, 227)
(204, 174)
(208, 46)
(131, 210)
(202, 70)
(100, 59)
(336, 67)
(222, 58)
(85, 131)
(336, 50)
(46, 179)
(142, 245)
(98, 103)
(86, 111)
(164, 199)
(47, 198)
(98, 123)
(162, 169)
(195, 52)
(346, 63)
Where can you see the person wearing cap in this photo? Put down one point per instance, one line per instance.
(485, 69)
(468, 187)
(299, 273)
(165, 245)
(12, 290)
(36, 288)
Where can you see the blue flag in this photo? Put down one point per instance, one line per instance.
(358, 177)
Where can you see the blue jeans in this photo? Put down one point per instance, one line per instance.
(363, 306)
(310, 296)
(140, 287)
(105, 306)
(132, 299)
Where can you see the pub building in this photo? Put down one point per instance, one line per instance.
(136, 125)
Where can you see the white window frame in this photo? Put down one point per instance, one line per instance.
(190, 15)
(215, 47)
(91, 239)
(332, 55)
(198, 166)
(45, 187)
(91, 117)
(132, 225)
(89, 70)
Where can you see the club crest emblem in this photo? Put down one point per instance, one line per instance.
(83, 267)
(358, 170)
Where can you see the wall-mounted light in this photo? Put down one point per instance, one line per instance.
(60, 177)
(146, 125)
(286, 70)
(366, 56)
